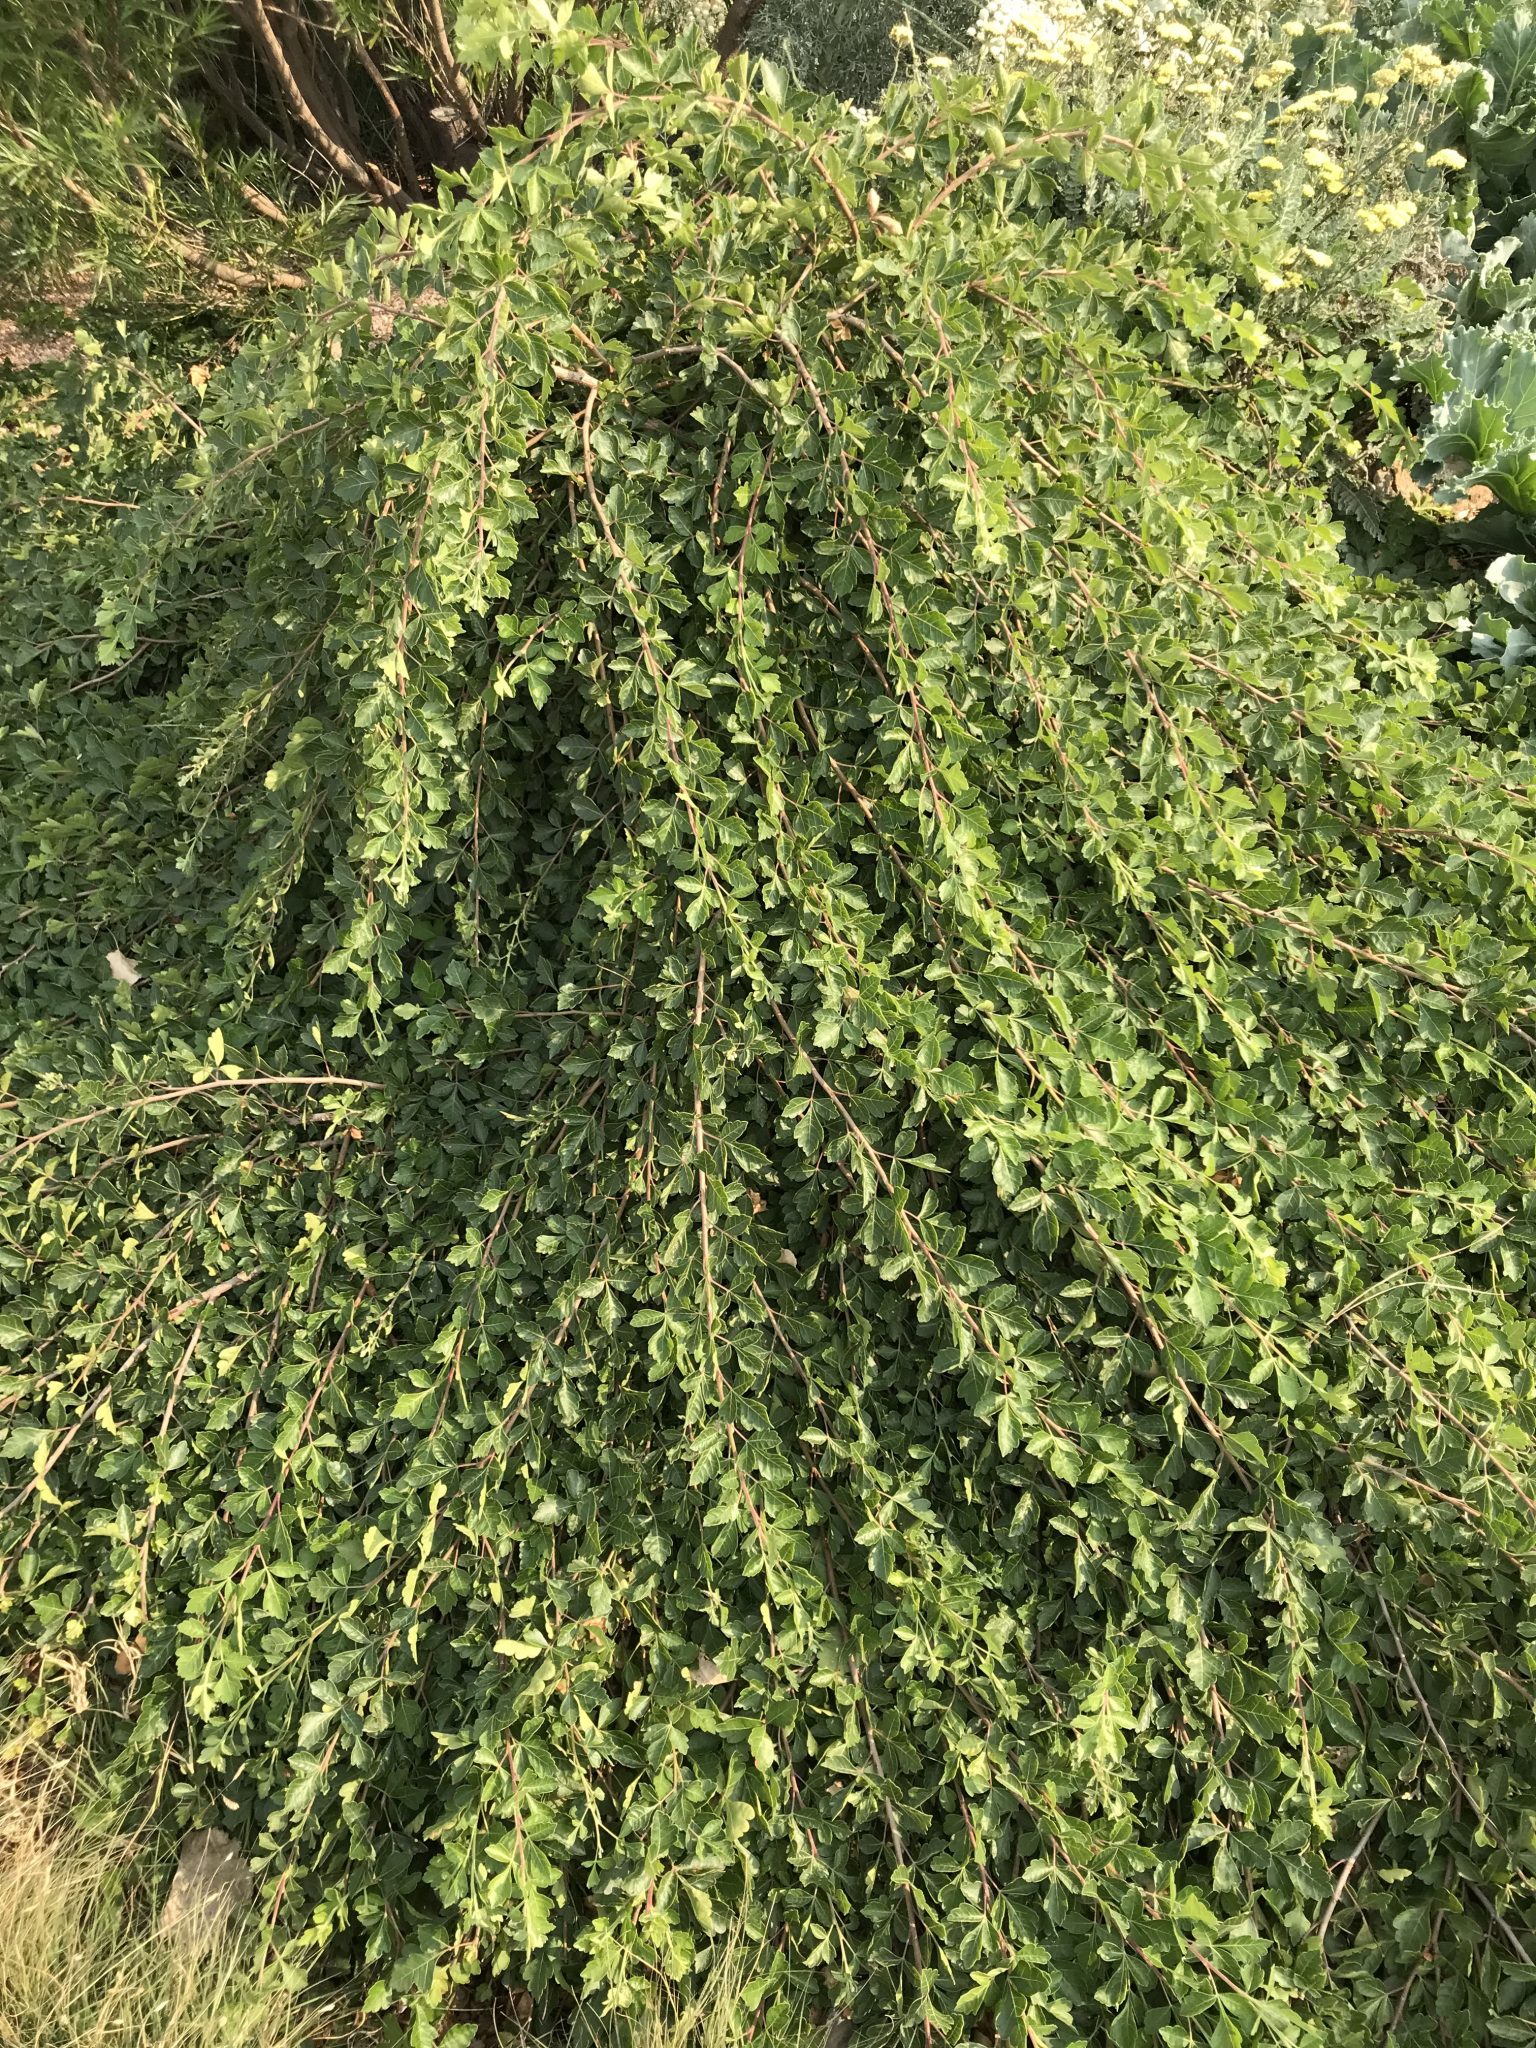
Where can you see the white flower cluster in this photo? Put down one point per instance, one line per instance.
(1013, 33)
(1110, 38)
(679, 17)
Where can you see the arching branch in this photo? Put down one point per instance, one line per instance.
(361, 176)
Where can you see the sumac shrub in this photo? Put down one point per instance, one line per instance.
(802, 1185)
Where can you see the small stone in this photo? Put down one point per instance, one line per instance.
(211, 1886)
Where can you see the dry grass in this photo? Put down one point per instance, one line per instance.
(82, 1961)
(711, 2020)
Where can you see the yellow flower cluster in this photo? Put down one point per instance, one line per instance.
(1387, 213)
(1330, 173)
(1312, 103)
(1419, 64)
(1334, 167)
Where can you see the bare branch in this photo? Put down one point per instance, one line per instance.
(1345, 1870)
(454, 77)
(363, 177)
(392, 107)
(197, 258)
(260, 203)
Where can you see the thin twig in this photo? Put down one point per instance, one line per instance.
(197, 258)
(1500, 1922)
(214, 1293)
(1345, 1870)
(178, 1094)
(392, 108)
(460, 90)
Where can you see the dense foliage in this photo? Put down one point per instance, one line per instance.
(768, 1103)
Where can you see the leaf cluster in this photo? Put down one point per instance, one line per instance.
(809, 1199)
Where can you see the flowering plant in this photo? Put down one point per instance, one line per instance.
(1330, 136)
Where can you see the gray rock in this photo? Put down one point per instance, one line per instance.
(211, 1887)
